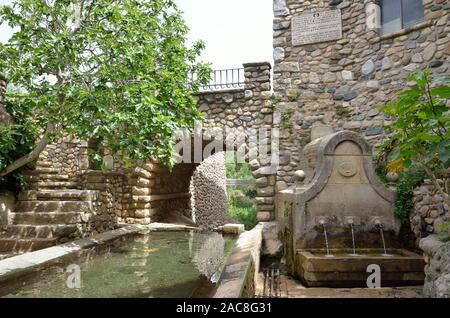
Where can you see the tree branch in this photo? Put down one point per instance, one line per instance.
(34, 154)
(441, 191)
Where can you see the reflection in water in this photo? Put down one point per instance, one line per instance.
(208, 254)
(174, 264)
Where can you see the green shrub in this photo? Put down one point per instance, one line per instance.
(245, 215)
(410, 179)
(241, 205)
(16, 140)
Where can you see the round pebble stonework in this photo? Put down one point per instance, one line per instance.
(430, 212)
(209, 193)
(341, 83)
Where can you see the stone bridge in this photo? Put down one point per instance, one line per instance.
(69, 197)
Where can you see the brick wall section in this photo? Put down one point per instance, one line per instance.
(341, 83)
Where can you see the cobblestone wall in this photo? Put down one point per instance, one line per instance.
(430, 213)
(340, 83)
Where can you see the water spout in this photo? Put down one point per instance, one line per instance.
(353, 240)
(385, 254)
(326, 241)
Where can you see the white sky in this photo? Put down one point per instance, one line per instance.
(235, 31)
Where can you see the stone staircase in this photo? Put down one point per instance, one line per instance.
(46, 176)
(53, 212)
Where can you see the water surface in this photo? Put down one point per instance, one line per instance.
(169, 264)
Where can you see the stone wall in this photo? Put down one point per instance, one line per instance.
(155, 193)
(430, 213)
(437, 268)
(340, 83)
(208, 189)
(248, 110)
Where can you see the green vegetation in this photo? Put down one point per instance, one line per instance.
(420, 134)
(16, 140)
(241, 204)
(293, 96)
(116, 71)
(342, 111)
(445, 235)
(286, 120)
(410, 179)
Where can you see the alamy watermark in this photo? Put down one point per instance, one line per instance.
(374, 279)
(73, 281)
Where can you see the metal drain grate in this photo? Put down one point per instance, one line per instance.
(272, 283)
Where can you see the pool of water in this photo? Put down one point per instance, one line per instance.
(160, 265)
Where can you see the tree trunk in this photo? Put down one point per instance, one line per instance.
(33, 155)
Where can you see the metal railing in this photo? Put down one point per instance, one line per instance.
(224, 79)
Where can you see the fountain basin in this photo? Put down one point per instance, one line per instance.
(400, 268)
(128, 262)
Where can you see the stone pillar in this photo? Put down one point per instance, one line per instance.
(263, 158)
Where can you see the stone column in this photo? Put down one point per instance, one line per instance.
(263, 158)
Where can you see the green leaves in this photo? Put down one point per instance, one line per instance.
(113, 70)
(421, 123)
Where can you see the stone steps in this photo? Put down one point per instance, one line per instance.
(52, 206)
(45, 164)
(48, 218)
(23, 245)
(54, 185)
(47, 177)
(57, 195)
(47, 170)
(41, 231)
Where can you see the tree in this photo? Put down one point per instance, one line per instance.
(420, 133)
(116, 71)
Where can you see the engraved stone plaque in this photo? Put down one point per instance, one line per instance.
(316, 27)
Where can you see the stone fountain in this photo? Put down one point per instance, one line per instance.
(338, 218)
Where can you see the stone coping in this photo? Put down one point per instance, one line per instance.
(221, 91)
(166, 227)
(16, 266)
(257, 64)
(241, 264)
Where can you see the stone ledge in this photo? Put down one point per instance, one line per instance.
(403, 31)
(239, 272)
(221, 91)
(252, 64)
